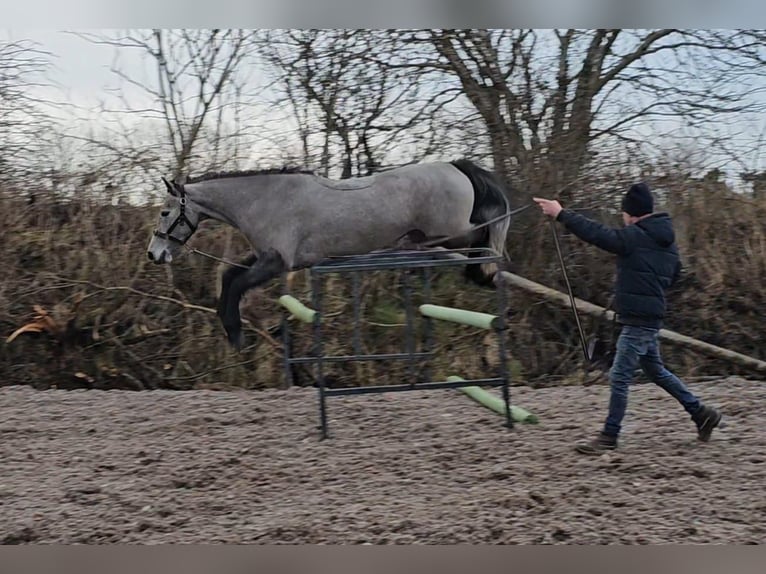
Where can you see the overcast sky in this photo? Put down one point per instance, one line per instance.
(390, 14)
(81, 71)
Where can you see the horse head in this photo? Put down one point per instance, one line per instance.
(177, 222)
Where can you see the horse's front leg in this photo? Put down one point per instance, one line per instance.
(268, 266)
(226, 280)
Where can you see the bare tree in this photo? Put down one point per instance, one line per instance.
(198, 92)
(547, 98)
(24, 124)
(350, 102)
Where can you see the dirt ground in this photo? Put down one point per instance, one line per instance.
(419, 467)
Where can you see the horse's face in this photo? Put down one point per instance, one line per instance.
(177, 223)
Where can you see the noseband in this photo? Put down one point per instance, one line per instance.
(181, 220)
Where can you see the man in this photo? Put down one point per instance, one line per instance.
(647, 264)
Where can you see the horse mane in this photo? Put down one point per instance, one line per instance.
(246, 173)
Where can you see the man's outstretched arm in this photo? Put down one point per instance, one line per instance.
(590, 231)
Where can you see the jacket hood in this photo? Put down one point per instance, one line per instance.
(659, 226)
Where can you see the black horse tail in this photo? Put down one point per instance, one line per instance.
(490, 204)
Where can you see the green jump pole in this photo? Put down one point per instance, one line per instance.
(472, 318)
(298, 309)
(495, 403)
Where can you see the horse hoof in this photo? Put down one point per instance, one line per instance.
(236, 339)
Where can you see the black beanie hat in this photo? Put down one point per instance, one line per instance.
(638, 200)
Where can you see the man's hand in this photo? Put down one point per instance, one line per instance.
(550, 207)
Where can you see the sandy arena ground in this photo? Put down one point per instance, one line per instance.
(417, 467)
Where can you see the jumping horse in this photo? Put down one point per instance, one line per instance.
(294, 219)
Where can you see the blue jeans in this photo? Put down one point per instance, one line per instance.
(640, 346)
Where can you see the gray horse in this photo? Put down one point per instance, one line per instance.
(294, 219)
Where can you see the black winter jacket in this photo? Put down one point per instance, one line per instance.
(647, 263)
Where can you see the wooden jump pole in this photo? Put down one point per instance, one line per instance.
(597, 311)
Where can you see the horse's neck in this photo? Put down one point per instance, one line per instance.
(214, 203)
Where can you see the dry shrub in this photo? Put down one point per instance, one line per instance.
(719, 300)
(722, 236)
(122, 322)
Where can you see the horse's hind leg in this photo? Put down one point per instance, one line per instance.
(268, 266)
(476, 272)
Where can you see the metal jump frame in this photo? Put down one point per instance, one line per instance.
(407, 260)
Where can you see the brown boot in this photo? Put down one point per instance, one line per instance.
(601, 444)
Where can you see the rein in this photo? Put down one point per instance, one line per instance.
(490, 222)
(583, 343)
(181, 219)
(569, 289)
(213, 257)
(196, 251)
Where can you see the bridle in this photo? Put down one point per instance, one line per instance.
(181, 220)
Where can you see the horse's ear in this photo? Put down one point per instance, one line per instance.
(171, 187)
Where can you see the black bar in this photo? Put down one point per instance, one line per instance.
(493, 382)
(399, 264)
(501, 350)
(412, 253)
(286, 342)
(409, 335)
(316, 296)
(427, 323)
(399, 259)
(352, 358)
(357, 340)
(393, 260)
